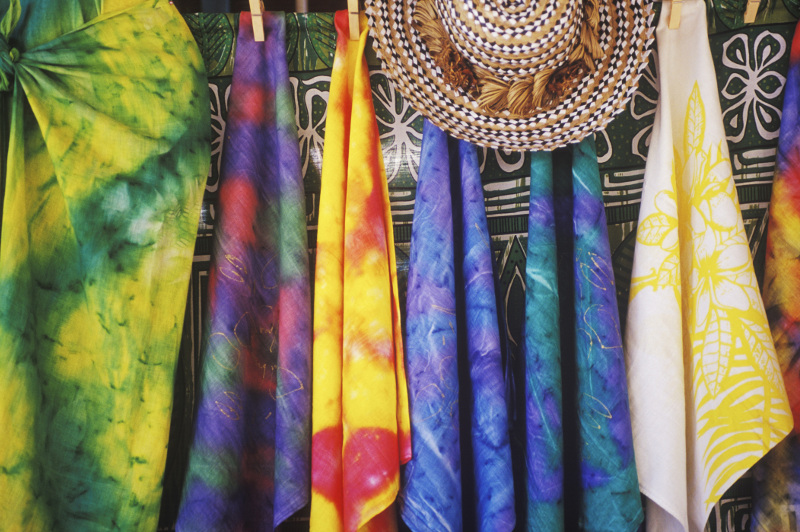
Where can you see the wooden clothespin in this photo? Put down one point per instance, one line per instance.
(751, 11)
(675, 14)
(353, 21)
(257, 14)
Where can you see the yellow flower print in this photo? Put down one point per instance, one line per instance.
(660, 229)
(697, 247)
(721, 276)
(737, 388)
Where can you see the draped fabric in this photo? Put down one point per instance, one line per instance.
(107, 121)
(249, 466)
(544, 449)
(460, 476)
(579, 452)
(360, 420)
(776, 497)
(707, 397)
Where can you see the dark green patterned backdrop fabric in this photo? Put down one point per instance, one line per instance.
(751, 63)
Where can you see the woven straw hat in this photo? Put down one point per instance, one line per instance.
(514, 74)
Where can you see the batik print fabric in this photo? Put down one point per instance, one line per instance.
(460, 476)
(581, 471)
(776, 494)
(249, 466)
(707, 397)
(360, 418)
(107, 122)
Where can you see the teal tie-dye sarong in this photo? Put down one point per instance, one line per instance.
(103, 121)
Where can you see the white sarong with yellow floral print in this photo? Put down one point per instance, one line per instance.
(706, 392)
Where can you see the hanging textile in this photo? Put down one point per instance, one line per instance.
(360, 418)
(742, 53)
(697, 334)
(580, 468)
(249, 461)
(542, 421)
(460, 432)
(776, 497)
(107, 121)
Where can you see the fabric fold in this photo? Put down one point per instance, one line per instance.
(108, 153)
(249, 460)
(707, 397)
(460, 476)
(579, 453)
(544, 447)
(609, 483)
(431, 498)
(776, 477)
(360, 421)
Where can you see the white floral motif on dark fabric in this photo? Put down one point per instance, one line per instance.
(401, 138)
(754, 86)
(310, 128)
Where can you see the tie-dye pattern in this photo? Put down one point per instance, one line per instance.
(360, 421)
(108, 151)
(249, 462)
(460, 432)
(609, 485)
(581, 472)
(542, 353)
(776, 497)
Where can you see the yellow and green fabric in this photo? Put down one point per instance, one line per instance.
(750, 61)
(104, 120)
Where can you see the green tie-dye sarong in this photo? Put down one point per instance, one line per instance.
(103, 126)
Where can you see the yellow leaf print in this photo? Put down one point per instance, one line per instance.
(736, 381)
(669, 271)
(697, 248)
(660, 229)
(715, 350)
(695, 123)
(654, 229)
(759, 339)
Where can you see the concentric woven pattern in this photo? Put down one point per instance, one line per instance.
(625, 35)
(537, 37)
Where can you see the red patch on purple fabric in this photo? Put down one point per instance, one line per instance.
(238, 197)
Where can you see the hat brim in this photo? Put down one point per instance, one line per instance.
(625, 36)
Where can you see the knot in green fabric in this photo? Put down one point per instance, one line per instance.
(8, 58)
